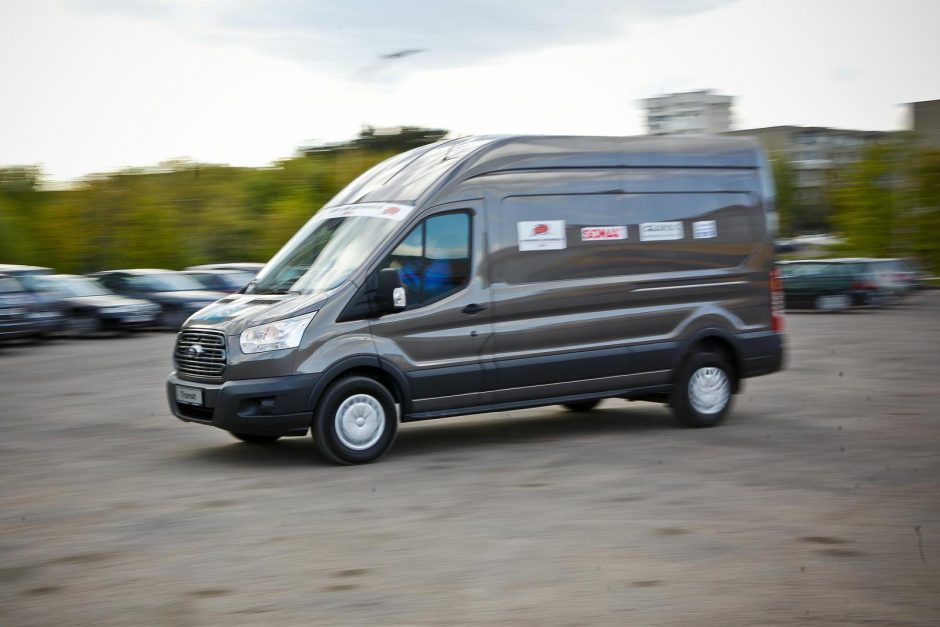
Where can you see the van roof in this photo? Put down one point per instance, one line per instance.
(420, 174)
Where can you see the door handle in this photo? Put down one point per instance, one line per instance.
(472, 309)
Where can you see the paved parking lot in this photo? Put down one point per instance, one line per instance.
(817, 503)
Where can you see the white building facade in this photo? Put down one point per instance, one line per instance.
(688, 113)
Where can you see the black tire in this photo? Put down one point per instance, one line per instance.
(378, 428)
(685, 408)
(581, 406)
(256, 439)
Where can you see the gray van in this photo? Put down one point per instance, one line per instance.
(494, 273)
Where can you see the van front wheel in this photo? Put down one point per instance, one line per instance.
(355, 422)
(703, 391)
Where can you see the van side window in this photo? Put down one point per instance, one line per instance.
(434, 259)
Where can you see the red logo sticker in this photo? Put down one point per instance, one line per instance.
(592, 233)
(390, 211)
(540, 229)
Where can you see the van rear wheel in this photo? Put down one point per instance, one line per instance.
(703, 391)
(356, 421)
(581, 406)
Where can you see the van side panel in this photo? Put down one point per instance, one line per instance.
(648, 258)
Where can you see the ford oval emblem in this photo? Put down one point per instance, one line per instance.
(195, 350)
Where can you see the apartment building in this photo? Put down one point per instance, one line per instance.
(688, 113)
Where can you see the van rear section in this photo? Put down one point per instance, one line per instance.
(487, 274)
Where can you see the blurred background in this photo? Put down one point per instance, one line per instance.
(169, 134)
(155, 153)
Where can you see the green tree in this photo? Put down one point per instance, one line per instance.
(20, 202)
(869, 202)
(923, 213)
(786, 194)
(180, 213)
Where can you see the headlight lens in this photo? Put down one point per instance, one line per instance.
(275, 335)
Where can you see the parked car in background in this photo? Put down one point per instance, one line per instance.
(90, 307)
(18, 311)
(835, 284)
(229, 281)
(817, 285)
(178, 295)
(16, 270)
(45, 310)
(900, 273)
(243, 266)
(784, 245)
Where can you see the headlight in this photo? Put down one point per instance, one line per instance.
(275, 335)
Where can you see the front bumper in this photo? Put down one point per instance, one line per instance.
(273, 406)
(23, 327)
(30, 323)
(128, 320)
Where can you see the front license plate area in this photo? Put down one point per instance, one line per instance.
(190, 396)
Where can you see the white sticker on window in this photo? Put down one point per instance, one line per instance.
(704, 229)
(387, 210)
(593, 233)
(542, 235)
(661, 231)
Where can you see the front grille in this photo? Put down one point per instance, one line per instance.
(200, 353)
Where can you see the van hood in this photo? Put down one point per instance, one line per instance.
(237, 312)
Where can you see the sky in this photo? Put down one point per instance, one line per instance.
(98, 85)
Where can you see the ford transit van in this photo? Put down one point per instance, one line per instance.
(493, 273)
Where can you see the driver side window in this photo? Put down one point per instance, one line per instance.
(434, 259)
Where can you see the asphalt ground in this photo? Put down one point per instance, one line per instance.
(816, 503)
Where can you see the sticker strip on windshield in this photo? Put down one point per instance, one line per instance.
(386, 210)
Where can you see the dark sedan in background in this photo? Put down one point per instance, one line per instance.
(250, 267)
(90, 307)
(179, 296)
(229, 281)
(834, 284)
(45, 310)
(17, 311)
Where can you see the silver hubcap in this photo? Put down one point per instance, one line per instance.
(709, 390)
(360, 422)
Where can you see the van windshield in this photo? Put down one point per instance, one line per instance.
(328, 249)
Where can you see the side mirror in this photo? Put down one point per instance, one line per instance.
(390, 295)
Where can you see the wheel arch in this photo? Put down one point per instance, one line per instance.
(712, 339)
(368, 366)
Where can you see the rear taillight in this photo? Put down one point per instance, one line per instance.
(776, 301)
(863, 286)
